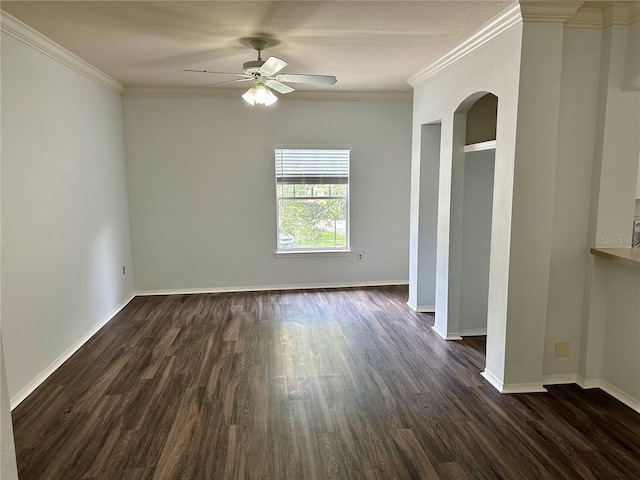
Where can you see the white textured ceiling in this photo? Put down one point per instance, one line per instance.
(367, 45)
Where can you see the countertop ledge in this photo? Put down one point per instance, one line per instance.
(625, 256)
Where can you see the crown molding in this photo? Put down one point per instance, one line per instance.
(352, 96)
(181, 92)
(616, 14)
(586, 17)
(496, 26)
(634, 12)
(550, 12)
(236, 93)
(27, 35)
(604, 16)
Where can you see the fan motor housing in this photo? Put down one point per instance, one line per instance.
(252, 67)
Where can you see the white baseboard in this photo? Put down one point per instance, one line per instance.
(425, 309)
(492, 379)
(421, 308)
(473, 332)
(618, 394)
(530, 387)
(445, 335)
(35, 383)
(560, 379)
(588, 383)
(564, 379)
(263, 288)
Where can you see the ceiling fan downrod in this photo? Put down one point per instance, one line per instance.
(258, 45)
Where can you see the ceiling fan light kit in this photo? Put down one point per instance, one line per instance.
(260, 95)
(265, 77)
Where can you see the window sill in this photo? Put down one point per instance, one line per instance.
(314, 253)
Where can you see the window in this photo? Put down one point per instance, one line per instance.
(312, 189)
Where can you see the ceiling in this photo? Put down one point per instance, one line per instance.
(370, 46)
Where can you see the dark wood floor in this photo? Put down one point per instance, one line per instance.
(344, 384)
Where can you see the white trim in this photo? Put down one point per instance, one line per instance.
(421, 308)
(445, 335)
(590, 383)
(35, 383)
(499, 24)
(453, 337)
(181, 92)
(311, 146)
(549, 12)
(480, 146)
(27, 35)
(586, 17)
(532, 387)
(634, 13)
(426, 309)
(473, 332)
(314, 253)
(560, 379)
(529, 387)
(266, 288)
(440, 332)
(492, 379)
(351, 96)
(235, 93)
(618, 394)
(617, 14)
(599, 18)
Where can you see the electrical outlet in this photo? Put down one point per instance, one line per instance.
(562, 349)
(360, 257)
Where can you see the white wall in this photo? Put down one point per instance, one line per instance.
(425, 175)
(65, 225)
(8, 467)
(533, 201)
(609, 338)
(568, 130)
(621, 333)
(476, 241)
(581, 52)
(617, 141)
(494, 68)
(202, 191)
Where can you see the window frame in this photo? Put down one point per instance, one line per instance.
(314, 251)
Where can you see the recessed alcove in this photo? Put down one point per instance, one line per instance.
(472, 192)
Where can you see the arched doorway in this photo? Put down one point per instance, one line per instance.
(470, 215)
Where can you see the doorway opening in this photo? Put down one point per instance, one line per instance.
(425, 177)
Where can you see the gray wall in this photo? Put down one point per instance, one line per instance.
(65, 223)
(8, 468)
(476, 241)
(202, 190)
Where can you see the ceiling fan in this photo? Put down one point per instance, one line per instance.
(264, 75)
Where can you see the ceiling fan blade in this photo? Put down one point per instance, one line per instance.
(279, 87)
(221, 73)
(297, 78)
(272, 66)
(228, 81)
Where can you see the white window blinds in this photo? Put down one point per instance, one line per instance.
(298, 166)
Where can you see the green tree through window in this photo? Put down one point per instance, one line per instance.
(312, 195)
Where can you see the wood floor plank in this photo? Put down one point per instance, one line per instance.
(415, 455)
(314, 384)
